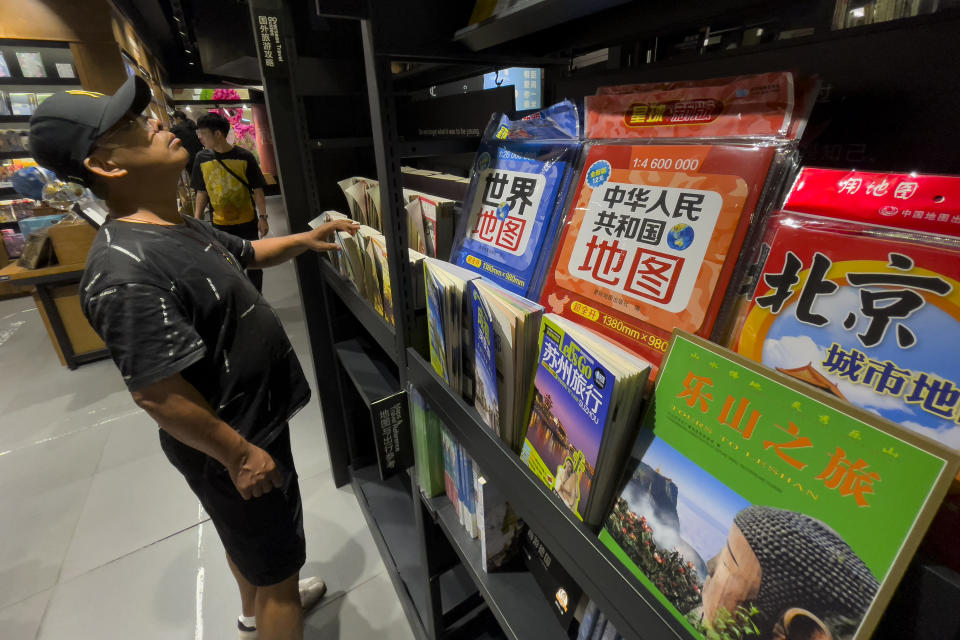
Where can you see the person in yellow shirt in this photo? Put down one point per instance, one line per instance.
(229, 178)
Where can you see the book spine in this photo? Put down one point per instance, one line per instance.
(449, 469)
(482, 521)
(463, 494)
(471, 482)
(599, 627)
(589, 621)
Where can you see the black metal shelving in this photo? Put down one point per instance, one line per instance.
(12, 155)
(340, 53)
(528, 20)
(512, 596)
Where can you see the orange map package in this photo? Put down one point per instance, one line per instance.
(653, 235)
(653, 232)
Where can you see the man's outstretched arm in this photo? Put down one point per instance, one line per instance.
(269, 252)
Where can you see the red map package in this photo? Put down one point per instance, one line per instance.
(868, 313)
(765, 105)
(652, 238)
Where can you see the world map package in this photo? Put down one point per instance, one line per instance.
(517, 189)
(655, 226)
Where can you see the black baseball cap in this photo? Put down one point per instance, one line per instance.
(65, 125)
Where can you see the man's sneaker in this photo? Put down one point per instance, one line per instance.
(312, 591)
(244, 632)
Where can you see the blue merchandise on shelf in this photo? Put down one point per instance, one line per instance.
(519, 182)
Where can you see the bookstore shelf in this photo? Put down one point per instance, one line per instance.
(378, 328)
(443, 188)
(388, 507)
(634, 609)
(512, 596)
(385, 506)
(855, 64)
(537, 17)
(317, 77)
(340, 143)
(438, 147)
(372, 378)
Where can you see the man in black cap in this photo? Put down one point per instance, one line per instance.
(198, 347)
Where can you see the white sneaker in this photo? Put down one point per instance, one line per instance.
(246, 633)
(312, 591)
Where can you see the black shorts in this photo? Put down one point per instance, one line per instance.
(263, 536)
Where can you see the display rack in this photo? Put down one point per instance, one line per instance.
(338, 109)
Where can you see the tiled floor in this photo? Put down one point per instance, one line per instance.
(99, 535)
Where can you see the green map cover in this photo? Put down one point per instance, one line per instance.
(756, 507)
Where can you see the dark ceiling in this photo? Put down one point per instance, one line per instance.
(197, 41)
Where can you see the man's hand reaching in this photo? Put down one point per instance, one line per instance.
(319, 238)
(254, 472)
(272, 251)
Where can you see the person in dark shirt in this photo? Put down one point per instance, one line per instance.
(186, 130)
(198, 347)
(229, 178)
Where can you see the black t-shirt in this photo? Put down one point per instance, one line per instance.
(175, 299)
(229, 197)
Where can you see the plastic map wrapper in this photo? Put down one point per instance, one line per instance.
(653, 231)
(865, 312)
(765, 105)
(648, 248)
(518, 185)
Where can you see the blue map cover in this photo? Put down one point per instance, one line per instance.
(519, 181)
(571, 399)
(486, 398)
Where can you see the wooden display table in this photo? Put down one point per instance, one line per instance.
(56, 293)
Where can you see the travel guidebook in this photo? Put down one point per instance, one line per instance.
(861, 310)
(485, 397)
(755, 506)
(518, 185)
(653, 231)
(449, 322)
(514, 328)
(586, 404)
